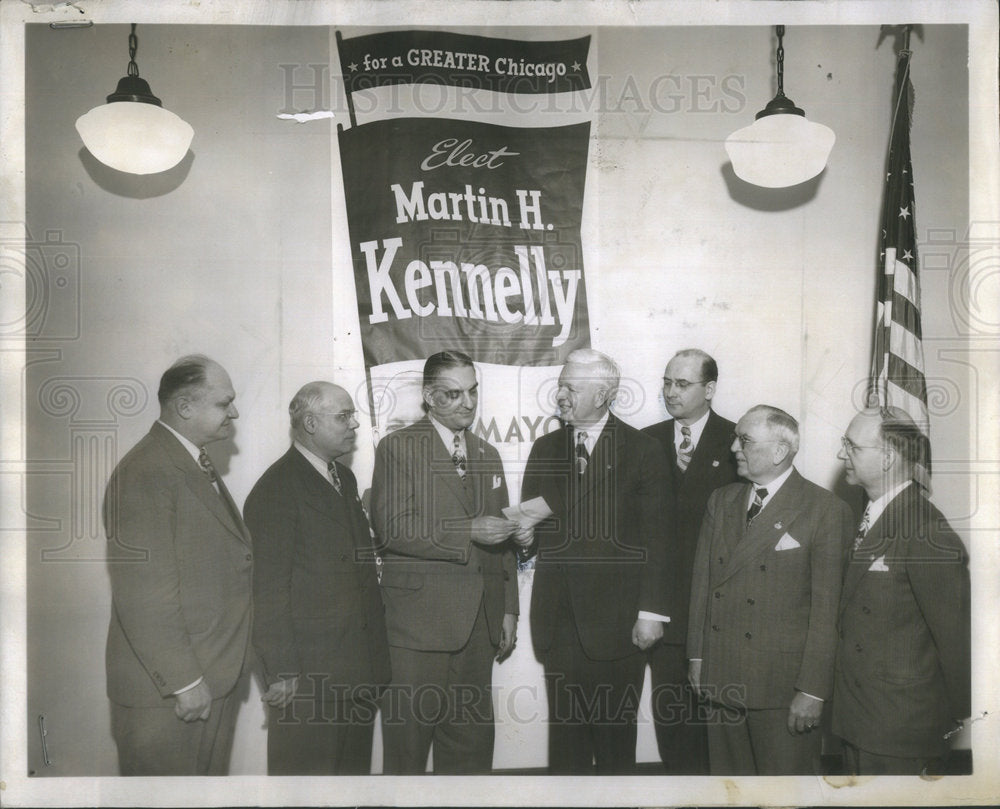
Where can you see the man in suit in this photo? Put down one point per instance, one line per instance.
(696, 440)
(319, 626)
(449, 582)
(599, 596)
(764, 595)
(902, 677)
(180, 618)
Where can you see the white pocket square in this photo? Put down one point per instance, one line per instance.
(879, 566)
(787, 543)
(497, 480)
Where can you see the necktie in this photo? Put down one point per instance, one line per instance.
(756, 505)
(206, 466)
(582, 456)
(331, 469)
(685, 449)
(862, 529)
(458, 456)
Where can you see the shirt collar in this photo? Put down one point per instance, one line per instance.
(447, 434)
(696, 428)
(314, 460)
(592, 431)
(876, 507)
(194, 451)
(772, 486)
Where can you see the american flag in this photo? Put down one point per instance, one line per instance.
(897, 373)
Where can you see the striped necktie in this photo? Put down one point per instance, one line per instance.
(756, 505)
(685, 449)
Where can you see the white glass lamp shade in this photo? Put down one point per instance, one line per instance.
(779, 150)
(136, 137)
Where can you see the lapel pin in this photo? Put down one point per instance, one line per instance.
(715, 463)
(778, 525)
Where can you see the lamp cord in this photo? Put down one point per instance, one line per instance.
(133, 44)
(780, 57)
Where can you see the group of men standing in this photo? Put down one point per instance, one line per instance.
(693, 545)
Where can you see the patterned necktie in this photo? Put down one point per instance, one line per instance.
(206, 466)
(685, 449)
(331, 469)
(458, 456)
(582, 456)
(756, 505)
(862, 528)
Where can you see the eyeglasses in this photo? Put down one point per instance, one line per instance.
(745, 439)
(344, 416)
(850, 447)
(681, 384)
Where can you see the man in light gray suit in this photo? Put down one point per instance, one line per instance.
(180, 619)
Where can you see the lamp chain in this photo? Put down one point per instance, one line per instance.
(133, 44)
(780, 57)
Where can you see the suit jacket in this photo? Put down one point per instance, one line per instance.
(903, 658)
(317, 607)
(434, 576)
(763, 620)
(712, 465)
(605, 546)
(183, 612)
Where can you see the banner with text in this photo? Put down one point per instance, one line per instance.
(442, 57)
(466, 236)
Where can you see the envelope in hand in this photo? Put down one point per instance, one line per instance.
(787, 543)
(879, 566)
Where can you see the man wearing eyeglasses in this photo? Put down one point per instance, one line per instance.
(449, 580)
(318, 620)
(696, 440)
(902, 683)
(764, 596)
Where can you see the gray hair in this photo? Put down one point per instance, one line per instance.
(606, 370)
(782, 426)
(308, 400)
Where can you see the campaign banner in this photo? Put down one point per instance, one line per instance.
(466, 236)
(443, 57)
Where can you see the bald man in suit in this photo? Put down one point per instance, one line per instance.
(764, 596)
(903, 681)
(697, 442)
(180, 618)
(319, 625)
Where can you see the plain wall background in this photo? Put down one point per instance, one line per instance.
(241, 253)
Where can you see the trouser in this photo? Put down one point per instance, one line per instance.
(757, 742)
(444, 699)
(679, 716)
(154, 741)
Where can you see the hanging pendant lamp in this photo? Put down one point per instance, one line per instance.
(132, 132)
(781, 147)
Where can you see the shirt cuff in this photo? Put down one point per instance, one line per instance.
(653, 616)
(811, 696)
(196, 683)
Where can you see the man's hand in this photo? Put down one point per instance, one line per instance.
(508, 636)
(523, 537)
(804, 713)
(694, 675)
(492, 530)
(195, 703)
(281, 692)
(646, 632)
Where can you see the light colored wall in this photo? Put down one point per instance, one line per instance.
(236, 261)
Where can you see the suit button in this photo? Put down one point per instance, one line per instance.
(479, 568)
(506, 576)
(718, 594)
(343, 557)
(720, 560)
(763, 567)
(865, 610)
(748, 636)
(249, 557)
(750, 601)
(857, 646)
(715, 627)
(857, 683)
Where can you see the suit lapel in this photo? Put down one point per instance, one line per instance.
(768, 526)
(444, 468)
(200, 486)
(602, 460)
(704, 454)
(879, 537)
(316, 490)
